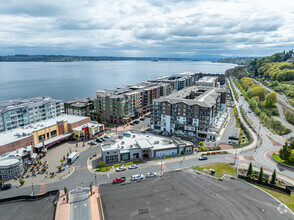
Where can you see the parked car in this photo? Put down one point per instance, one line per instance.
(151, 174)
(119, 180)
(203, 158)
(106, 136)
(103, 139)
(136, 122)
(137, 177)
(133, 166)
(142, 119)
(5, 186)
(132, 124)
(99, 140)
(119, 169)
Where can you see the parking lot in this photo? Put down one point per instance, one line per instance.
(187, 195)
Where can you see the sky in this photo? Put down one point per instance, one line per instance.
(153, 28)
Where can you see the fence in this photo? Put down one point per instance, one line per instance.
(287, 190)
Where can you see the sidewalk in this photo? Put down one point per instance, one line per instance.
(62, 208)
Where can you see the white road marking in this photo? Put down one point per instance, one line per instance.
(85, 204)
(108, 175)
(75, 206)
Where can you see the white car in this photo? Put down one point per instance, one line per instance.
(133, 166)
(137, 177)
(151, 174)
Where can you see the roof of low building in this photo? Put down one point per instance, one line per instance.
(144, 141)
(19, 133)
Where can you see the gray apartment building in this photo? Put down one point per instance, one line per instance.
(193, 111)
(125, 103)
(80, 106)
(22, 112)
(182, 80)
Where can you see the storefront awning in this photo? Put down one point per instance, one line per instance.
(54, 140)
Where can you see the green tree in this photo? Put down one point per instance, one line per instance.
(59, 168)
(98, 119)
(101, 163)
(260, 176)
(91, 117)
(201, 144)
(273, 179)
(21, 182)
(291, 157)
(271, 99)
(285, 152)
(249, 171)
(65, 190)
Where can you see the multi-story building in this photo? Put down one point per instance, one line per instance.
(194, 111)
(22, 112)
(80, 106)
(177, 81)
(124, 103)
(182, 80)
(207, 81)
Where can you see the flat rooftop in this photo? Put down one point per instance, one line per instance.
(193, 95)
(187, 195)
(16, 134)
(207, 79)
(144, 141)
(28, 209)
(90, 125)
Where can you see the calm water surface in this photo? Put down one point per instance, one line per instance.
(81, 79)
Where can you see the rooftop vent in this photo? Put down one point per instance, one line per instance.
(156, 142)
(131, 146)
(122, 142)
(134, 136)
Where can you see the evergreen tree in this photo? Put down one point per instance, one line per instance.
(273, 180)
(260, 176)
(249, 171)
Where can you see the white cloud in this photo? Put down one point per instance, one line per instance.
(146, 27)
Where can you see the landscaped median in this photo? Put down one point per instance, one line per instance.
(277, 158)
(102, 168)
(220, 169)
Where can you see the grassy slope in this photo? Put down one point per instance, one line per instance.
(220, 168)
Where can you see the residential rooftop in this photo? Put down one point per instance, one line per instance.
(90, 125)
(207, 79)
(121, 91)
(81, 100)
(17, 134)
(193, 95)
(27, 102)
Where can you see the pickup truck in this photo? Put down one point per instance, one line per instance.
(119, 180)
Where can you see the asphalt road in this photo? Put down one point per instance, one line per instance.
(80, 207)
(187, 195)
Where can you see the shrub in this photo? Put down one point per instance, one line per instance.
(44, 169)
(65, 190)
(59, 168)
(101, 163)
(201, 143)
(21, 182)
(1, 183)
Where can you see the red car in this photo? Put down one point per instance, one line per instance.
(119, 180)
(142, 119)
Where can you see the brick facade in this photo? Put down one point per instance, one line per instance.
(17, 144)
(77, 124)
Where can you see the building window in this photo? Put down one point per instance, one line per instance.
(41, 137)
(48, 135)
(53, 134)
(111, 158)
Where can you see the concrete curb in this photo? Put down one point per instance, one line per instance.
(268, 194)
(250, 185)
(282, 164)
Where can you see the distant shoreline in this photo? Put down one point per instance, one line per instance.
(65, 58)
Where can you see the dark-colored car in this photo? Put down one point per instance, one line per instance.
(99, 140)
(203, 158)
(142, 119)
(136, 122)
(119, 180)
(5, 186)
(132, 124)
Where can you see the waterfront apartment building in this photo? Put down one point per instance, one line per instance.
(181, 80)
(80, 106)
(22, 112)
(194, 111)
(207, 81)
(125, 103)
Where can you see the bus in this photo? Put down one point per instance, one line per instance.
(71, 158)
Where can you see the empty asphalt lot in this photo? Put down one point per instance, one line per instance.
(187, 195)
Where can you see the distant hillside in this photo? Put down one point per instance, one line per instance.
(64, 58)
(237, 60)
(278, 67)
